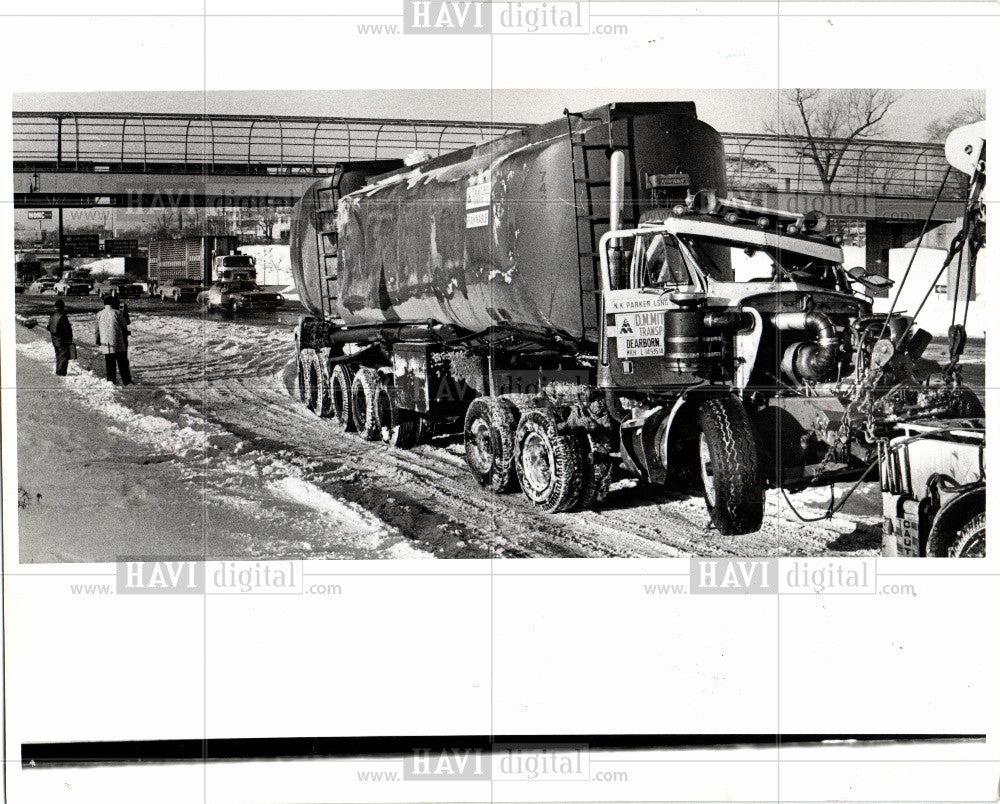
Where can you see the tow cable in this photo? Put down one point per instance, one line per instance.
(835, 506)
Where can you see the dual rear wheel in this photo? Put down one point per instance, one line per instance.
(563, 470)
(357, 399)
(556, 470)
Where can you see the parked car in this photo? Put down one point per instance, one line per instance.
(44, 285)
(68, 286)
(240, 295)
(74, 282)
(179, 290)
(119, 286)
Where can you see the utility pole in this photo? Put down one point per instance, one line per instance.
(62, 252)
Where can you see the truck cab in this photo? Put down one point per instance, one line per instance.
(227, 266)
(795, 371)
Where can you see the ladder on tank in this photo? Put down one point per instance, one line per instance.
(326, 246)
(590, 225)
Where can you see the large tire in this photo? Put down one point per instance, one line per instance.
(399, 428)
(490, 426)
(300, 378)
(597, 466)
(550, 466)
(314, 389)
(971, 540)
(340, 397)
(729, 460)
(364, 388)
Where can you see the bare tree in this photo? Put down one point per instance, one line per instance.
(972, 110)
(267, 219)
(829, 122)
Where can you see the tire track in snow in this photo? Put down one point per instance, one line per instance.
(239, 374)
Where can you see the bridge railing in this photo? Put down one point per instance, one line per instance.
(244, 143)
(757, 163)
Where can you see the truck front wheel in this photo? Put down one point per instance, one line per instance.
(490, 425)
(729, 460)
(364, 388)
(549, 465)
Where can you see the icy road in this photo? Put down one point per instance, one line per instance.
(230, 464)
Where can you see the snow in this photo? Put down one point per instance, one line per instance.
(106, 265)
(274, 267)
(153, 431)
(262, 487)
(336, 513)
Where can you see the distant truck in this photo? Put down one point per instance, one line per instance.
(194, 258)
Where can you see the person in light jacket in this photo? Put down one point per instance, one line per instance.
(111, 335)
(62, 336)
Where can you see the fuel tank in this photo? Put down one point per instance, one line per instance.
(505, 232)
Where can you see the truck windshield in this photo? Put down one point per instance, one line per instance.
(785, 265)
(658, 262)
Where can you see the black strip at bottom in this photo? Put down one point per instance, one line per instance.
(248, 748)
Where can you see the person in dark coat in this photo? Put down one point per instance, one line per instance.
(111, 335)
(62, 336)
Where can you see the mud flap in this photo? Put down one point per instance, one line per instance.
(638, 445)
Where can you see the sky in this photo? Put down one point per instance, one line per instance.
(742, 110)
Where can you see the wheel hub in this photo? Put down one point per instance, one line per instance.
(481, 445)
(537, 463)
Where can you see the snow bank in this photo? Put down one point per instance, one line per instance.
(935, 316)
(339, 514)
(154, 431)
(239, 480)
(274, 267)
(107, 265)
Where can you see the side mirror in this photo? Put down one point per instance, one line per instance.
(870, 281)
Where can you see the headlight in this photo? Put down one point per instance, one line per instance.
(280, 298)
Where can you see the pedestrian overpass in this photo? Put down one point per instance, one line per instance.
(148, 161)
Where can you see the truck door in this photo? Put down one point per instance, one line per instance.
(635, 315)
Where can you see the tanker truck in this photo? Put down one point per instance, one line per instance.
(564, 297)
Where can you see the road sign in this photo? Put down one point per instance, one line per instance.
(81, 245)
(119, 247)
(40, 215)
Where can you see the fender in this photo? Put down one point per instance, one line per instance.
(663, 433)
(952, 513)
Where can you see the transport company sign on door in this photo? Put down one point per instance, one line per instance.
(640, 334)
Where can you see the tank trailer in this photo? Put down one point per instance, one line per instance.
(565, 297)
